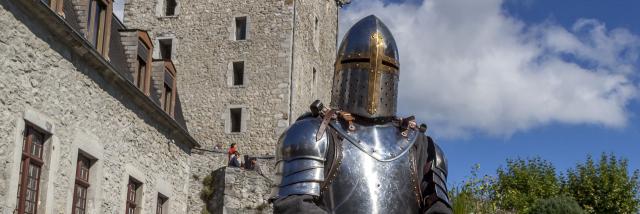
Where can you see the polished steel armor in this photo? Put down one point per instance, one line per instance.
(375, 184)
(300, 159)
(367, 71)
(361, 164)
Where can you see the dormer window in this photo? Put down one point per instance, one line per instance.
(98, 24)
(168, 98)
(142, 74)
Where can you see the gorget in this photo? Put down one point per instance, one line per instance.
(376, 173)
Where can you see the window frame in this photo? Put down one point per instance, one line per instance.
(160, 203)
(165, 8)
(102, 37)
(133, 186)
(162, 46)
(171, 70)
(245, 34)
(27, 160)
(145, 84)
(234, 75)
(238, 110)
(81, 182)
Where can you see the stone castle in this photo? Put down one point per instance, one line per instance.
(108, 115)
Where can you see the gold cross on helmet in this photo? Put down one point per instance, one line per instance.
(367, 71)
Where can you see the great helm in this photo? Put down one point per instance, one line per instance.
(365, 81)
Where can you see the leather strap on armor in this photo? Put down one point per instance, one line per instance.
(325, 121)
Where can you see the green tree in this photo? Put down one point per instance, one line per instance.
(604, 187)
(556, 205)
(523, 182)
(474, 195)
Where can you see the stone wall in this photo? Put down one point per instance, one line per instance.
(314, 48)
(47, 84)
(202, 164)
(205, 50)
(240, 191)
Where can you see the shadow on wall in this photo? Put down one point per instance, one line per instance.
(91, 66)
(235, 190)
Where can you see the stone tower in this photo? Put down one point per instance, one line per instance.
(247, 68)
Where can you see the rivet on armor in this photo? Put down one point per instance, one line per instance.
(412, 124)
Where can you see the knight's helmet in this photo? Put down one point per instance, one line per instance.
(366, 75)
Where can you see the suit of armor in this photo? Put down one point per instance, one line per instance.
(357, 156)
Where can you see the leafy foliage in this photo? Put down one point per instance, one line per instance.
(206, 194)
(532, 186)
(523, 182)
(556, 205)
(474, 196)
(604, 187)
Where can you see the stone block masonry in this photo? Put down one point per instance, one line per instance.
(285, 42)
(51, 85)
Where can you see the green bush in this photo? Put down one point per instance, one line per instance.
(556, 205)
(604, 187)
(474, 195)
(523, 182)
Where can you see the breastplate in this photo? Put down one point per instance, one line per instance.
(376, 173)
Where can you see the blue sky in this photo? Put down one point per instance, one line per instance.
(504, 79)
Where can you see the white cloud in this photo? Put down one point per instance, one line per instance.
(466, 66)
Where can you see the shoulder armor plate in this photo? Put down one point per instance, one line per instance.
(300, 159)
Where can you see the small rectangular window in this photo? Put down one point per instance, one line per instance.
(165, 48)
(133, 196)
(238, 73)
(313, 84)
(236, 119)
(241, 28)
(82, 185)
(160, 207)
(170, 7)
(32, 162)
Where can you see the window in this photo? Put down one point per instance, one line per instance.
(30, 167)
(143, 72)
(165, 48)
(169, 89)
(238, 73)
(160, 207)
(97, 24)
(235, 116)
(82, 185)
(133, 196)
(170, 7)
(316, 39)
(241, 28)
(313, 84)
